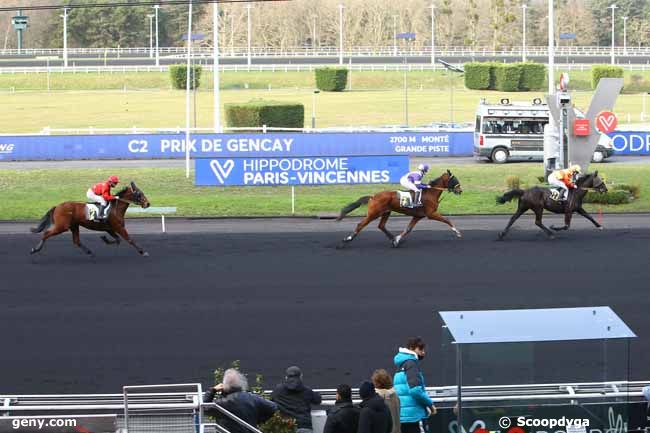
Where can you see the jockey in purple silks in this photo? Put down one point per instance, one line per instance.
(413, 182)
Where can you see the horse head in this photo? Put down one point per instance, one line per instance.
(449, 181)
(592, 180)
(134, 194)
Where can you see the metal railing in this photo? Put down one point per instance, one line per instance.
(330, 51)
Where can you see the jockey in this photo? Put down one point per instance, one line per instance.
(564, 179)
(413, 182)
(101, 194)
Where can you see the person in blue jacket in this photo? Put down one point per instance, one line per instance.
(415, 405)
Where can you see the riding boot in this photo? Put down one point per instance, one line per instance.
(100, 212)
(418, 199)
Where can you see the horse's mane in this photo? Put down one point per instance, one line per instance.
(436, 181)
(122, 191)
(582, 179)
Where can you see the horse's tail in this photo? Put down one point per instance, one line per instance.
(510, 195)
(44, 223)
(352, 206)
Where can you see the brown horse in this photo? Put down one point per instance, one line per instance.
(70, 215)
(385, 202)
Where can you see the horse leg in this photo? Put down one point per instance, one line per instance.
(520, 211)
(382, 226)
(48, 234)
(585, 214)
(114, 241)
(400, 237)
(437, 217)
(364, 222)
(122, 232)
(538, 222)
(77, 241)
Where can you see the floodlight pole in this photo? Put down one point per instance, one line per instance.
(150, 16)
(613, 8)
(65, 37)
(433, 35)
(625, 36)
(156, 8)
(395, 35)
(523, 33)
(341, 7)
(216, 85)
(187, 91)
(248, 11)
(551, 49)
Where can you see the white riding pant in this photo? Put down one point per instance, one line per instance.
(95, 198)
(554, 181)
(406, 183)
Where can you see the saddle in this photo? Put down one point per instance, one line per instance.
(92, 211)
(406, 199)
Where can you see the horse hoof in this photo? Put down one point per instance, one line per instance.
(145, 254)
(32, 251)
(459, 235)
(601, 228)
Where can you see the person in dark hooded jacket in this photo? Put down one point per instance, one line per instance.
(343, 417)
(295, 400)
(250, 407)
(375, 416)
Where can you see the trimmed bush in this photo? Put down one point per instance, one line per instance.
(513, 182)
(256, 114)
(533, 76)
(634, 190)
(178, 75)
(507, 77)
(331, 79)
(610, 197)
(477, 75)
(604, 71)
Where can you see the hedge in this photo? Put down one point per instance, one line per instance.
(507, 77)
(256, 114)
(331, 79)
(604, 71)
(477, 75)
(178, 75)
(510, 77)
(533, 76)
(609, 197)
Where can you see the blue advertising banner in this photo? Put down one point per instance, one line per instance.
(631, 142)
(160, 146)
(338, 170)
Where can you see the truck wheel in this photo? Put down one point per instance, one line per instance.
(499, 155)
(598, 156)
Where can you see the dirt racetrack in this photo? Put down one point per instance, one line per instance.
(273, 294)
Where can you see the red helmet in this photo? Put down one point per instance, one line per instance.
(114, 180)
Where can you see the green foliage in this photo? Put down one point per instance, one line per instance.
(513, 182)
(633, 189)
(259, 113)
(477, 75)
(610, 197)
(279, 424)
(331, 79)
(533, 76)
(604, 71)
(507, 77)
(178, 75)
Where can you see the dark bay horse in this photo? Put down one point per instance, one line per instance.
(385, 202)
(70, 215)
(537, 199)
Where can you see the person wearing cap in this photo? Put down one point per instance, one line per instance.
(233, 396)
(375, 416)
(100, 193)
(564, 180)
(415, 404)
(343, 417)
(294, 399)
(413, 182)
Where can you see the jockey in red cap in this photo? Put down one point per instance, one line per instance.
(101, 194)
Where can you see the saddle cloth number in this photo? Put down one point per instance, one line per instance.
(91, 211)
(555, 194)
(405, 199)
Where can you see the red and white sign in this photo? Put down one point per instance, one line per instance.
(606, 122)
(581, 128)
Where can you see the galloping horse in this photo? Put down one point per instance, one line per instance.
(385, 202)
(70, 215)
(538, 199)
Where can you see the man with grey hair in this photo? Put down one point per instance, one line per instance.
(295, 400)
(235, 398)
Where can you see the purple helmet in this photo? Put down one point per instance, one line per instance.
(423, 168)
